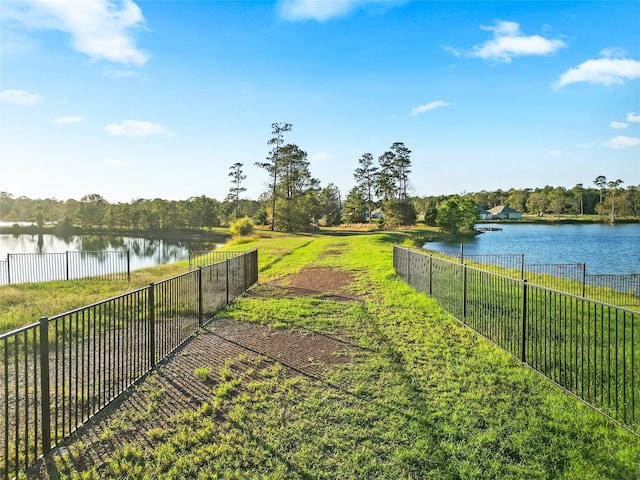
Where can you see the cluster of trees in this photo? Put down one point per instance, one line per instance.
(294, 194)
(383, 186)
(93, 211)
(605, 198)
(295, 200)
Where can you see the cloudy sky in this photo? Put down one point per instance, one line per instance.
(151, 99)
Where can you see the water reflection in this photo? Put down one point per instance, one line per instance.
(144, 252)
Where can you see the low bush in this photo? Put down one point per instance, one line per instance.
(241, 227)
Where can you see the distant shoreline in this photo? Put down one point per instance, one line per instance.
(549, 219)
(221, 235)
(190, 234)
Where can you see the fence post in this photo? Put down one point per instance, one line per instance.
(200, 310)
(8, 269)
(462, 253)
(152, 326)
(584, 279)
(128, 265)
(246, 270)
(523, 325)
(464, 294)
(45, 388)
(227, 278)
(430, 274)
(408, 267)
(66, 264)
(522, 267)
(254, 267)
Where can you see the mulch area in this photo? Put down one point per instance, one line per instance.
(173, 388)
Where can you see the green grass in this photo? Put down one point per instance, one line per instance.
(421, 397)
(24, 304)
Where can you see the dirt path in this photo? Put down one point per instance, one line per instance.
(173, 388)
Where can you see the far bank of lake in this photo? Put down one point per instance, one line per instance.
(146, 249)
(606, 249)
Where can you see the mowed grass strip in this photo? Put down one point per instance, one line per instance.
(419, 397)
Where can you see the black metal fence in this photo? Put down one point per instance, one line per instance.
(616, 289)
(198, 258)
(591, 349)
(70, 265)
(59, 372)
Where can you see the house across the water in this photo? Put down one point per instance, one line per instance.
(484, 214)
(502, 212)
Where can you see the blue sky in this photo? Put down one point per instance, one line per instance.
(157, 99)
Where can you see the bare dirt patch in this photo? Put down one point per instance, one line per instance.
(173, 388)
(333, 283)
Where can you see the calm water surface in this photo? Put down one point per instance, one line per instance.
(144, 252)
(604, 248)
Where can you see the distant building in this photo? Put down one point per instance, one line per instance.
(376, 214)
(484, 214)
(502, 212)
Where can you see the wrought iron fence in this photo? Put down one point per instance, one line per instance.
(59, 372)
(590, 348)
(509, 264)
(198, 258)
(70, 265)
(568, 277)
(617, 289)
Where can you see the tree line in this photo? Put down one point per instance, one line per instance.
(606, 198)
(295, 200)
(93, 211)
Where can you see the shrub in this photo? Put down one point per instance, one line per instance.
(241, 227)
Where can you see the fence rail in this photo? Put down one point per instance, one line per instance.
(198, 258)
(69, 265)
(616, 289)
(590, 348)
(59, 372)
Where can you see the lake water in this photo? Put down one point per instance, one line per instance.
(605, 249)
(144, 252)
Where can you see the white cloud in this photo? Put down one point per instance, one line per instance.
(429, 106)
(98, 28)
(606, 71)
(586, 145)
(314, 9)
(20, 97)
(632, 117)
(619, 125)
(137, 129)
(68, 119)
(623, 142)
(509, 42)
(322, 10)
(613, 52)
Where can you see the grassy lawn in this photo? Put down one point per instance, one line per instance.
(420, 396)
(24, 304)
